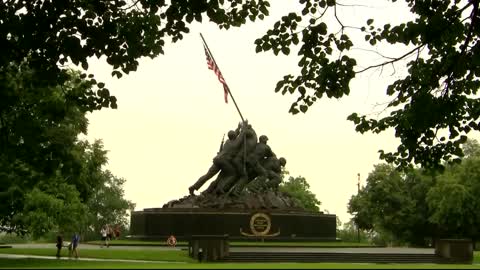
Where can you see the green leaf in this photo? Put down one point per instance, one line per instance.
(117, 73)
(264, 10)
(198, 17)
(330, 3)
(266, 46)
(302, 90)
(322, 28)
(295, 39)
(303, 108)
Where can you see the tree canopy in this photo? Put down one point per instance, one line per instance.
(432, 108)
(299, 189)
(69, 32)
(108, 205)
(48, 175)
(417, 204)
(393, 202)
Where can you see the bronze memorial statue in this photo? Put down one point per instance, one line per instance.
(248, 176)
(241, 201)
(243, 198)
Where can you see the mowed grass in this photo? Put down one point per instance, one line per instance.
(109, 253)
(78, 264)
(128, 254)
(178, 259)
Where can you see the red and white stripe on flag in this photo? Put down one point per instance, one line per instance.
(211, 65)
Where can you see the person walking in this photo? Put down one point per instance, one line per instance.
(59, 244)
(103, 232)
(74, 245)
(116, 231)
(109, 233)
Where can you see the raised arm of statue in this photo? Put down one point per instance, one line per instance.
(239, 139)
(239, 127)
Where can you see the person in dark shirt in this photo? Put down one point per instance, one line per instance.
(74, 245)
(116, 231)
(59, 244)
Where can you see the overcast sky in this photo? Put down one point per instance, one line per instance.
(171, 116)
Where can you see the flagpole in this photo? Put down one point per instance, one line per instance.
(236, 106)
(228, 88)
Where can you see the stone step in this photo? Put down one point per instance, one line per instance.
(332, 257)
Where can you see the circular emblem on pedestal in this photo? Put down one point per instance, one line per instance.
(260, 224)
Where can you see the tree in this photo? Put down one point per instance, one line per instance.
(108, 205)
(453, 200)
(56, 207)
(38, 140)
(60, 33)
(436, 97)
(416, 205)
(394, 203)
(54, 204)
(298, 188)
(471, 148)
(432, 108)
(348, 232)
(47, 175)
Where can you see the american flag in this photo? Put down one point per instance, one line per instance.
(213, 66)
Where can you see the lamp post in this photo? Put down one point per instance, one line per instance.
(358, 192)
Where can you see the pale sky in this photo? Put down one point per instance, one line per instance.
(171, 115)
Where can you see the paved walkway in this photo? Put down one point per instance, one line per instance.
(388, 250)
(89, 246)
(18, 256)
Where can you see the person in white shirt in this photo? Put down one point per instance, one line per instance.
(103, 232)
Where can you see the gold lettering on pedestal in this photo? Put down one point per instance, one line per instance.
(260, 225)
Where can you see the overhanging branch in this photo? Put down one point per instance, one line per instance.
(393, 60)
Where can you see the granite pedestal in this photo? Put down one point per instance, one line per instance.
(284, 225)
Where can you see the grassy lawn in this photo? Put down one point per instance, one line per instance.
(128, 254)
(51, 264)
(178, 259)
(108, 253)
